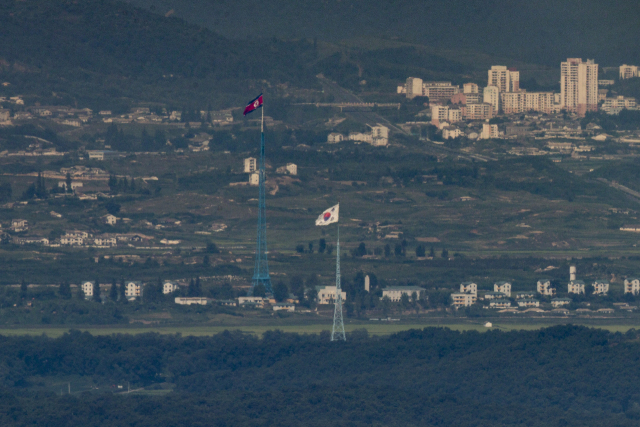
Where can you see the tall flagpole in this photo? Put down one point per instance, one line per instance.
(337, 333)
(261, 268)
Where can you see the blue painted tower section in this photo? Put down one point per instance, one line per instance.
(337, 333)
(261, 269)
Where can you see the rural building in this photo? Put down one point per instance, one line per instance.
(494, 295)
(500, 303)
(394, 293)
(525, 295)
(192, 300)
(87, 288)
(544, 288)
(334, 138)
(632, 286)
(284, 306)
(600, 287)
(327, 294)
(469, 287)
(528, 302)
(250, 165)
(254, 178)
(463, 299)
(133, 289)
(576, 287)
(110, 219)
(559, 302)
(504, 287)
(169, 287)
(18, 225)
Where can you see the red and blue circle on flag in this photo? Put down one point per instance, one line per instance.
(327, 216)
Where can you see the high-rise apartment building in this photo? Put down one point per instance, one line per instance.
(439, 91)
(514, 80)
(413, 87)
(521, 102)
(500, 77)
(470, 88)
(492, 96)
(628, 71)
(579, 85)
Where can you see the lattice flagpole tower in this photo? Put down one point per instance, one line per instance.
(337, 333)
(261, 269)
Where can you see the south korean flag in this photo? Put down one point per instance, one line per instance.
(329, 216)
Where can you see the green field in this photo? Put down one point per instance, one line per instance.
(373, 327)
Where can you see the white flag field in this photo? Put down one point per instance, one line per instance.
(329, 216)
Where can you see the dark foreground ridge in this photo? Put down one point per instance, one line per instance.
(559, 376)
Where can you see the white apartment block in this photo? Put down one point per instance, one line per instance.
(334, 138)
(544, 288)
(413, 87)
(504, 287)
(470, 88)
(361, 137)
(491, 95)
(133, 289)
(439, 91)
(395, 292)
(327, 294)
(104, 241)
(469, 287)
(477, 111)
(617, 104)
(489, 131)
(380, 135)
(499, 77)
(443, 113)
(579, 85)
(521, 102)
(575, 287)
(87, 288)
(632, 286)
(600, 287)
(450, 132)
(463, 299)
(169, 287)
(628, 71)
(250, 165)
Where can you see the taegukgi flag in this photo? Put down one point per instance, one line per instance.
(329, 216)
(253, 105)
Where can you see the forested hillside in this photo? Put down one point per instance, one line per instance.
(560, 376)
(546, 31)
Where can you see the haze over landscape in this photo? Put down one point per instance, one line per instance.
(175, 173)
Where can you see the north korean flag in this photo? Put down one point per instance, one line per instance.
(253, 105)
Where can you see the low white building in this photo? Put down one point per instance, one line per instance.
(250, 165)
(192, 300)
(74, 185)
(489, 131)
(110, 219)
(284, 306)
(450, 132)
(527, 302)
(169, 287)
(395, 292)
(104, 241)
(463, 299)
(18, 225)
(380, 135)
(525, 295)
(600, 287)
(559, 302)
(334, 138)
(469, 287)
(632, 286)
(289, 169)
(544, 288)
(500, 303)
(133, 289)
(494, 295)
(87, 288)
(327, 294)
(575, 287)
(254, 179)
(504, 287)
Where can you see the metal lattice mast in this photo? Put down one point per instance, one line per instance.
(261, 269)
(337, 333)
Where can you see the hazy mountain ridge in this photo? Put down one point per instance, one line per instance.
(552, 31)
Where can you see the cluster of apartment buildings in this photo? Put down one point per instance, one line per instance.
(378, 137)
(251, 167)
(579, 94)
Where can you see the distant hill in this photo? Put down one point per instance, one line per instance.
(541, 31)
(97, 51)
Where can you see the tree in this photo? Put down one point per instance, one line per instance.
(123, 291)
(280, 291)
(68, 183)
(310, 247)
(205, 260)
(64, 290)
(112, 207)
(445, 253)
(113, 292)
(397, 250)
(322, 245)
(96, 292)
(259, 290)
(23, 289)
(80, 293)
(212, 248)
(296, 284)
(404, 300)
(387, 250)
(300, 249)
(420, 251)
(432, 252)
(5, 192)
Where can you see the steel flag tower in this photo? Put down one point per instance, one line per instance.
(337, 333)
(261, 268)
